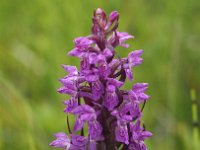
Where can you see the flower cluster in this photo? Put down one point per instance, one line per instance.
(112, 115)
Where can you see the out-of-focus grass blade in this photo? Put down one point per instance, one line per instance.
(1, 135)
(15, 117)
(196, 140)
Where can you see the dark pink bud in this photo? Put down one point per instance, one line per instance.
(114, 16)
(100, 17)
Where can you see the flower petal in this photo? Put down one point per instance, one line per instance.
(62, 141)
(121, 134)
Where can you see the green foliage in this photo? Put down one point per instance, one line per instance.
(36, 35)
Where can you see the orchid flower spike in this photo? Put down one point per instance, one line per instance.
(112, 115)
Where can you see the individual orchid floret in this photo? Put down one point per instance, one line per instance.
(95, 58)
(91, 75)
(119, 39)
(122, 119)
(84, 113)
(62, 141)
(121, 133)
(137, 146)
(71, 104)
(67, 90)
(138, 132)
(95, 130)
(137, 93)
(111, 97)
(78, 141)
(83, 42)
(138, 136)
(97, 89)
(100, 61)
(72, 70)
(110, 115)
(81, 47)
(130, 109)
(132, 61)
(84, 64)
(111, 100)
(134, 58)
(87, 114)
(70, 84)
(123, 36)
(71, 81)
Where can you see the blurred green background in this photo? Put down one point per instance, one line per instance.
(36, 35)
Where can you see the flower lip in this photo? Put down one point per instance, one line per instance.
(70, 105)
(83, 42)
(78, 140)
(62, 141)
(134, 58)
(72, 70)
(123, 36)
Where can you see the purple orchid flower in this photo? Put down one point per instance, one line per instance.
(138, 132)
(121, 133)
(132, 61)
(95, 130)
(137, 93)
(112, 115)
(119, 38)
(71, 104)
(62, 141)
(111, 97)
(137, 146)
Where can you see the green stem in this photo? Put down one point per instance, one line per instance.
(195, 120)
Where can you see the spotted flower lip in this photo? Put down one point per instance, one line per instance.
(71, 104)
(121, 133)
(95, 130)
(111, 114)
(78, 140)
